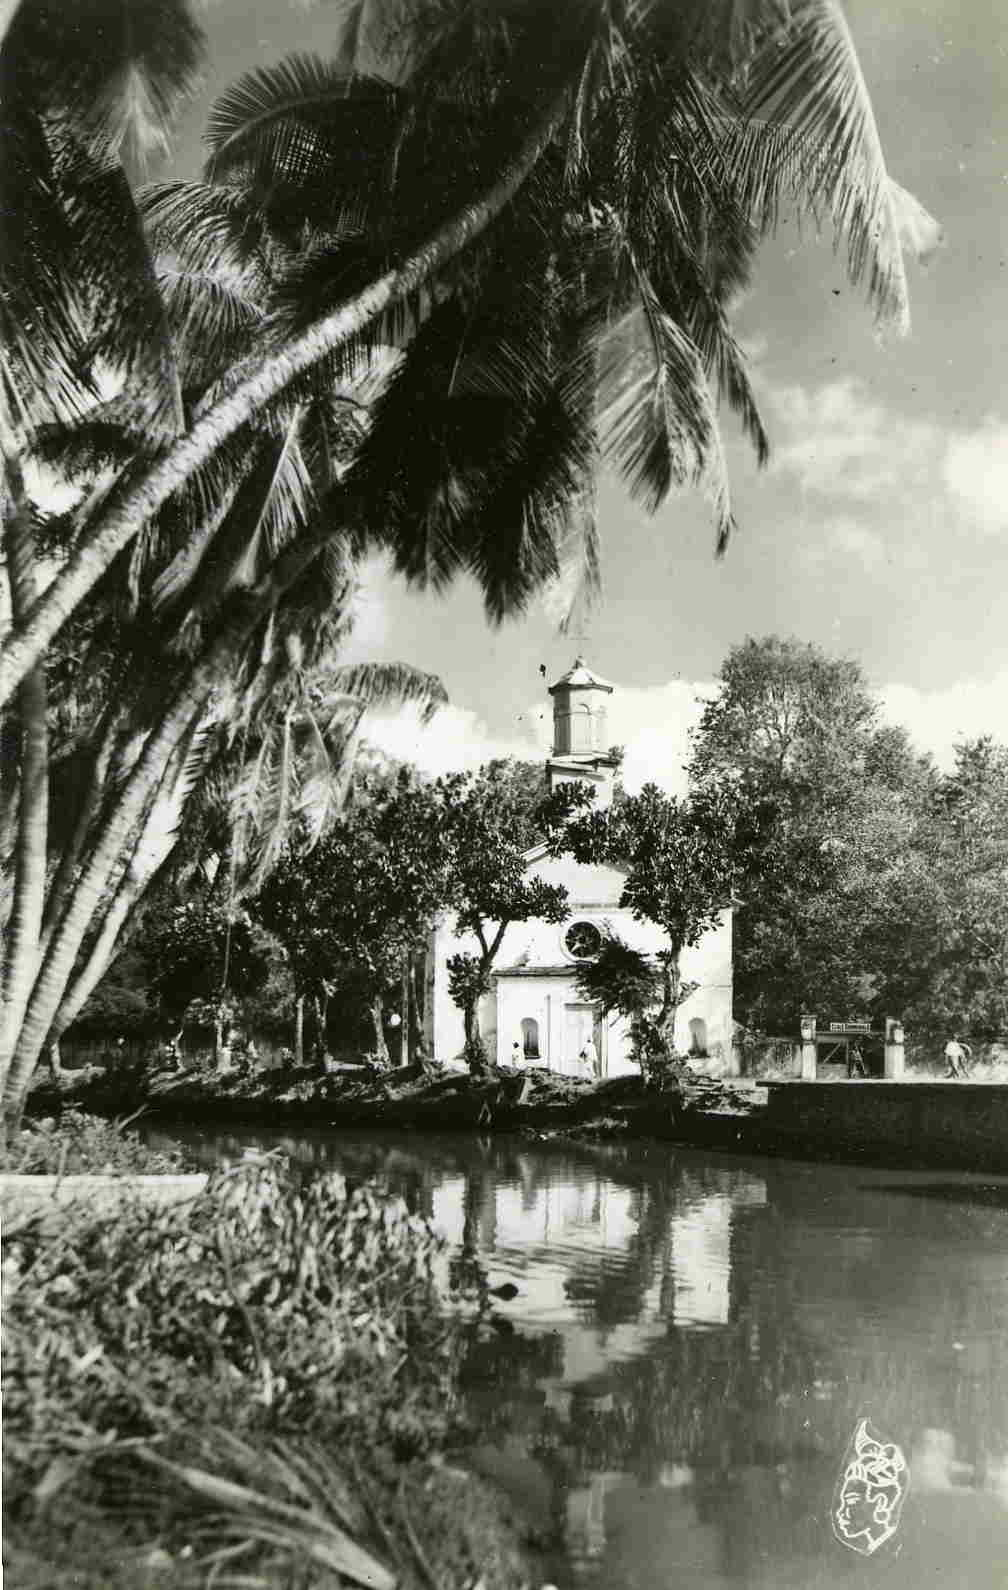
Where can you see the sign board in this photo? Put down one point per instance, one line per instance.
(850, 1028)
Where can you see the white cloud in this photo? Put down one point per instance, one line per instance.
(651, 724)
(455, 740)
(975, 470)
(937, 719)
(839, 442)
(846, 541)
(844, 449)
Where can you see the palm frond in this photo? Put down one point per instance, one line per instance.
(271, 504)
(270, 1511)
(207, 227)
(214, 319)
(570, 598)
(810, 79)
(130, 332)
(42, 324)
(118, 70)
(373, 685)
(302, 96)
(659, 426)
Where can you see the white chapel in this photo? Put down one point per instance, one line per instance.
(535, 1001)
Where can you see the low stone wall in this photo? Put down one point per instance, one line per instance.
(953, 1123)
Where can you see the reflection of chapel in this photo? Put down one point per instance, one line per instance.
(535, 1000)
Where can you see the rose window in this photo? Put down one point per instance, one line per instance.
(583, 940)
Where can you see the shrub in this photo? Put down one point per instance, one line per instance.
(77, 1144)
(252, 1388)
(274, 1303)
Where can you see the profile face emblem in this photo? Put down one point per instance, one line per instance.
(869, 1495)
(583, 940)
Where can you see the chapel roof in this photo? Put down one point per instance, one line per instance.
(581, 674)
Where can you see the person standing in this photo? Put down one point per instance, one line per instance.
(591, 1059)
(957, 1057)
(855, 1062)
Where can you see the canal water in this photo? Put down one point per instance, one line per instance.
(670, 1397)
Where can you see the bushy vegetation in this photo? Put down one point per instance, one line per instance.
(78, 1144)
(228, 1379)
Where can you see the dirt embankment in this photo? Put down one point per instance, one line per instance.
(431, 1098)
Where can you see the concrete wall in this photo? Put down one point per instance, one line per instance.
(959, 1123)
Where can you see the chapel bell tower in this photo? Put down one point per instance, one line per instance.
(580, 740)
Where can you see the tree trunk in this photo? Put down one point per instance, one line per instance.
(378, 1023)
(404, 1012)
(418, 1042)
(114, 528)
(21, 946)
(62, 881)
(181, 718)
(299, 1031)
(149, 853)
(671, 982)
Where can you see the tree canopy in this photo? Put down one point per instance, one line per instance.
(678, 862)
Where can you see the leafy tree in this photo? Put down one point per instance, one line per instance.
(677, 856)
(624, 979)
(350, 909)
(823, 800)
(945, 951)
(193, 950)
(491, 828)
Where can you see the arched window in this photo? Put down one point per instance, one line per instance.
(530, 1038)
(698, 1036)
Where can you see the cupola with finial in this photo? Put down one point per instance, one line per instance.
(580, 748)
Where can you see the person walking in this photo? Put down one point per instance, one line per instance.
(957, 1058)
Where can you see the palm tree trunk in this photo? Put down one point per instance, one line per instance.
(182, 715)
(155, 843)
(115, 528)
(54, 975)
(21, 948)
(63, 878)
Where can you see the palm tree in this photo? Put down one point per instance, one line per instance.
(639, 114)
(232, 561)
(74, 265)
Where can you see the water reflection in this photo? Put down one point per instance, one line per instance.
(670, 1395)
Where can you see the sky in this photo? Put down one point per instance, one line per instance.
(879, 529)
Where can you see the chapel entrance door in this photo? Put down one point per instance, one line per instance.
(581, 1022)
